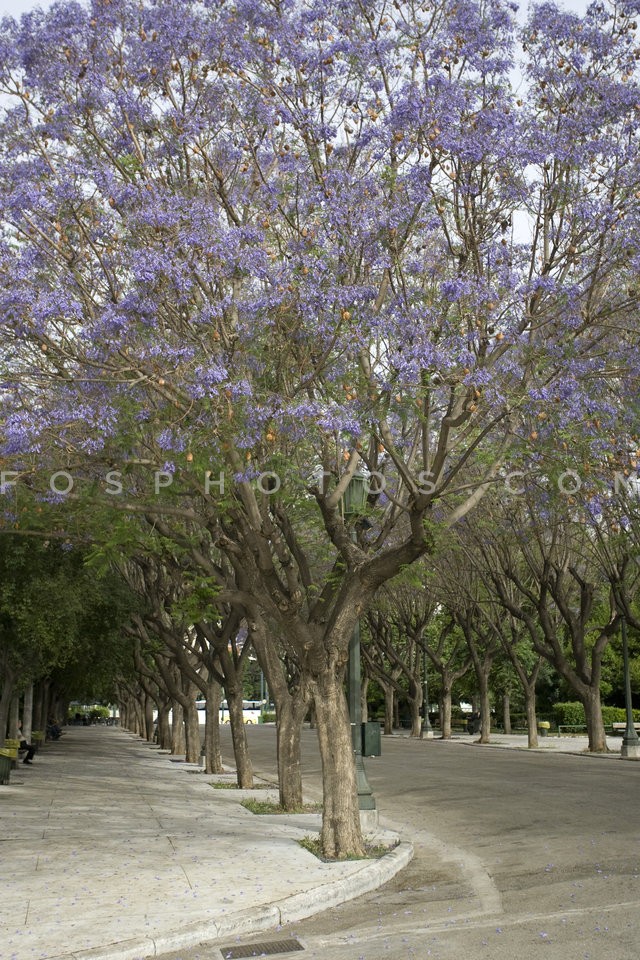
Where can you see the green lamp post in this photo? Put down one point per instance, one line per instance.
(353, 505)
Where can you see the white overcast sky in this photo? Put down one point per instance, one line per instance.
(15, 7)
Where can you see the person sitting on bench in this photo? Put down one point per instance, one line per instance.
(24, 745)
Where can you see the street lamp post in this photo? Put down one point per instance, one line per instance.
(630, 749)
(353, 503)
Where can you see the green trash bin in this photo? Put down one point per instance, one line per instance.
(5, 766)
(371, 739)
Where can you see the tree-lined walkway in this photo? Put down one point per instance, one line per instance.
(111, 849)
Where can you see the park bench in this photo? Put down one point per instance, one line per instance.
(9, 754)
(618, 729)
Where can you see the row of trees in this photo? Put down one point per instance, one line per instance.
(246, 253)
(60, 631)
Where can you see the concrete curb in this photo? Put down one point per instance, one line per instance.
(373, 874)
(549, 751)
(269, 916)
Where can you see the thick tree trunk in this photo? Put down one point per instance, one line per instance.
(485, 709)
(27, 713)
(595, 725)
(192, 733)
(291, 709)
(415, 703)
(39, 716)
(164, 727)
(6, 695)
(445, 711)
(45, 698)
(14, 715)
(244, 770)
(290, 714)
(364, 702)
(506, 713)
(148, 719)
(178, 742)
(389, 702)
(532, 719)
(212, 751)
(341, 834)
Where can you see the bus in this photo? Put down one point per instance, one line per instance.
(251, 710)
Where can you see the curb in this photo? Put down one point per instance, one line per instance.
(549, 751)
(269, 917)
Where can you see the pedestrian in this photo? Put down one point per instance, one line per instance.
(473, 724)
(53, 729)
(25, 746)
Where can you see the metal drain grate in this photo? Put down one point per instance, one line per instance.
(268, 949)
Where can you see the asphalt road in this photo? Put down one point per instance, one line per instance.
(518, 855)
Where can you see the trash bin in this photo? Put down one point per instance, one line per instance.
(5, 766)
(371, 739)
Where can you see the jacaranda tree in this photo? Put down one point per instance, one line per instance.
(294, 238)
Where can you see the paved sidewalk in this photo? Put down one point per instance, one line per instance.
(112, 850)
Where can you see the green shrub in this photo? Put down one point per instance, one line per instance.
(267, 718)
(617, 715)
(569, 714)
(572, 714)
(99, 713)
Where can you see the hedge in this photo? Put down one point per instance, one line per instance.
(572, 714)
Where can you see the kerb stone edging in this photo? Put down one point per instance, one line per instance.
(374, 873)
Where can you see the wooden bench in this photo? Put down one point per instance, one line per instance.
(619, 729)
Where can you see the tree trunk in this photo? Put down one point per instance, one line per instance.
(212, 752)
(445, 711)
(39, 716)
(290, 714)
(341, 834)
(164, 727)
(506, 712)
(532, 720)
(192, 733)
(388, 712)
(291, 708)
(45, 709)
(148, 719)
(595, 725)
(364, 702)
(485, 708)
(6, 695)
(27, 713)
(14, 715)
(178, 743)
(415, 703)
(244, 770)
